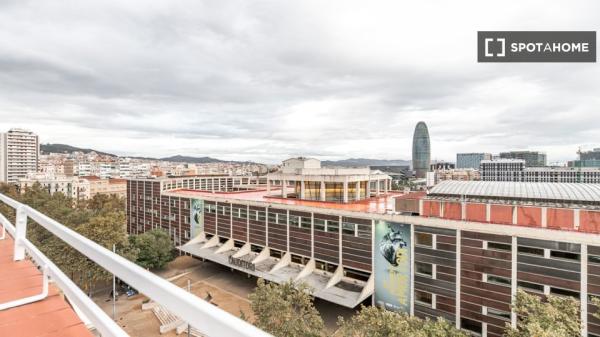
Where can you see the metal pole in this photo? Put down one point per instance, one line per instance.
(114, 292)
(189, 288)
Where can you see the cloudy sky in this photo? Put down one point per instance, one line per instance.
(265, 80)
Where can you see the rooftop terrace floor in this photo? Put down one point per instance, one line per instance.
(50, 317)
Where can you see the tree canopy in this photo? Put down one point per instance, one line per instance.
(285, 310)
(558, 316)
(376, 322)
(154, 248)
(101, 219)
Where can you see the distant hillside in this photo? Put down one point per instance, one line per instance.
(63, 148)
(192, 160)
(365, 162)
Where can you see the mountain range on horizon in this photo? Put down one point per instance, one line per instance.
(64, 148)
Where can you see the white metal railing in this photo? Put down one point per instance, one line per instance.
(202, 315)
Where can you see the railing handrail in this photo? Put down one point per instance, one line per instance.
(204, 316)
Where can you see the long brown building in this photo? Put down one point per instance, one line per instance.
(460, 252)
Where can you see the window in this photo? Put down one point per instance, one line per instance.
(424, 239)
(260, 215)
(531, 286)
(498, 313)
(498, 246)
(363, 231)
(564, 292)
(320, 224)
(305, 222)
(470, 325)
(294, 221)
(272, 217)
(423, 298)
(530, 250)
(594, 259)
(564, 255)
(498, 280)
(333, 226)
(425, 269)
(243, 213)
(282, 219)
(348, 228)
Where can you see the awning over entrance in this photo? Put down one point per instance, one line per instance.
(331, 287)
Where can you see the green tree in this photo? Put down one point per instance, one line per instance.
(596, 302)
(154, 248)
(556, 317)
(100, 220)
(285, 310)
(376, 322)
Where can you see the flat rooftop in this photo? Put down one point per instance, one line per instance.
(376, 205)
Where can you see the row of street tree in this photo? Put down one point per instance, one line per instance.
(100, 219)
(287, 310)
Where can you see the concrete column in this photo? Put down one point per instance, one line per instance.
(385, 186)
(268, 186)
(357, 190)
(488, 212)
(287, 229)
(576, 219)
(513, 282)
(368, 189)
(457, 283)
(322, 196)
(312, 235)
(283, 188)
(340, 241)
(377, 190)
(346, 190)
(584, 290)
(302, 190)
(544, 217)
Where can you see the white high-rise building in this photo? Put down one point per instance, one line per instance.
(19, 154)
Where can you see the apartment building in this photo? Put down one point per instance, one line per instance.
(19, 154)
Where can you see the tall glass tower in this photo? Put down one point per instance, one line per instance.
(421, 151)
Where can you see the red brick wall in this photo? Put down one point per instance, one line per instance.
(431, 208)
(589, 221)
(529, 216)
(501, 214)
(559, 218)
(476, 212)
(452, 210)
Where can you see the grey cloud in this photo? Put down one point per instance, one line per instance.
(273, 79)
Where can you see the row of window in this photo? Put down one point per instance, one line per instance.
(331, 226)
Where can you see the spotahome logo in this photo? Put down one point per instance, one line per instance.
(536, 46)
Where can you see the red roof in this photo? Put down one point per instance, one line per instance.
(50, 317)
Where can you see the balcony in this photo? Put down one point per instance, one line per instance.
(20, 300)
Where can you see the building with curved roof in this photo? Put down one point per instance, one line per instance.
(564, 192)
(421, 151)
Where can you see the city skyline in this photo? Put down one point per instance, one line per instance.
(265, 82)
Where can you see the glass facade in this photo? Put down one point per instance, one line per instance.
(421, 151)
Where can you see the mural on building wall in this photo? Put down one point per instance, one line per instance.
(392, 266)
(197, 217)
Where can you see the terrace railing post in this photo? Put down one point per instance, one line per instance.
(20, 233)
